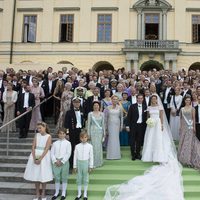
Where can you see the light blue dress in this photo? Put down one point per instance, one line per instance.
(96, 131)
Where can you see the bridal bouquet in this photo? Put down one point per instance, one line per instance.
(151, 122)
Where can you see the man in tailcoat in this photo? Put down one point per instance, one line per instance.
(136, 119)
(25, 102)
(74, 122)
(167, 94)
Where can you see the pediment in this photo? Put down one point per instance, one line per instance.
(152, 5)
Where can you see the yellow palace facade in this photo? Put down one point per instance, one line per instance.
(100, 34)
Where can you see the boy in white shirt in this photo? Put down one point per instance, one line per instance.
(83, 164)
(60, 154)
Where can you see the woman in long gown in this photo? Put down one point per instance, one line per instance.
(36, 114)
(96, 131)
(189, 145)
(175, 105)
(65, 104)
(9, 99)
(124, 135)
(160, 182)
(114, 124)
(154, 148)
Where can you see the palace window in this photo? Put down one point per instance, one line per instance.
(29, 31)
(196, 29)
(66, 28)
(104, 28)
(152, 26)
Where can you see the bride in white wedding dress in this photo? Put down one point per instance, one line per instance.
(160, 182)
(156, 143)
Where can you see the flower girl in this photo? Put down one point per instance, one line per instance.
(39, 169)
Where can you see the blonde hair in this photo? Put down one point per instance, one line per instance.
(113, 96)
(43, 124)
(84, 133)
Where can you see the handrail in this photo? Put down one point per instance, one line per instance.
(18, 117)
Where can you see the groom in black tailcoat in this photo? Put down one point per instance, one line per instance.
(74, 122)
(136, 118)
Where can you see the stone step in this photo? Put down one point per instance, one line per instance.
(16, 152)
(21, 140)
(30, 134)
(69, 197)
(189, 180)
(30, 197)
(17, 145)
(14, 159)
(94, 190)
(137, 169)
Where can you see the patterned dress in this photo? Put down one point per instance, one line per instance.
(36, 114)
(96, 130)
(65, 105)
(189, 145)
(9, 111)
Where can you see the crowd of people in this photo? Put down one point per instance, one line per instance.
(112, 105)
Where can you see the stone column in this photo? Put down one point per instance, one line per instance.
(143, 29)
(167, 64)
(128, 65)
(135, 66)
(174, 62)
(164, 25)
(139, 25)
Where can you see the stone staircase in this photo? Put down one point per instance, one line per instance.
(13, 186)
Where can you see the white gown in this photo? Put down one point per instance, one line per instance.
(161, 182)
(43, 172)
(155, 141)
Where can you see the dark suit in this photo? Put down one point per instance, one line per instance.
(197, 110)
(49, 105)
(74, 133)
(189, 92)
(147, 103)
(42, 106)
(16, 87)
(1, 101)
(102, 90)
(137, 130)
(24, 121)
(166, 105)
(130, 99)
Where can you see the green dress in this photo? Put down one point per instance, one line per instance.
(96, 131)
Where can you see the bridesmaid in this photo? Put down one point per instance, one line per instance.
(175, 106)
(9, 99)
(189, 145)
(96, 131)
(125, 104)
(114, 124)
